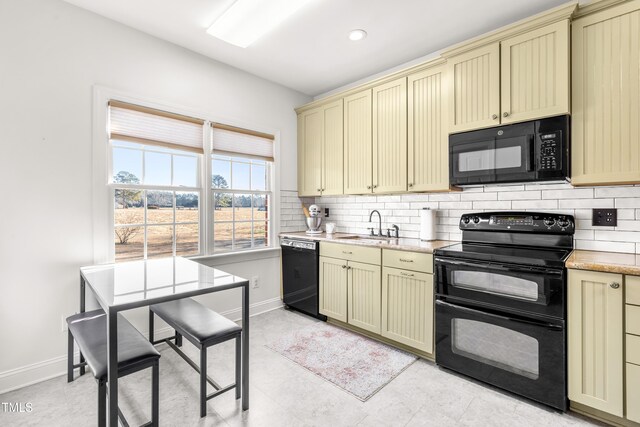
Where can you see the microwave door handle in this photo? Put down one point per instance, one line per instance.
(531, 158)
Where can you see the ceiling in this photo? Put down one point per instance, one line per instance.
(310, 52)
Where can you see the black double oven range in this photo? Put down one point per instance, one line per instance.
(501, 303)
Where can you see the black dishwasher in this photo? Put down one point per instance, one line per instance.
(300, 259)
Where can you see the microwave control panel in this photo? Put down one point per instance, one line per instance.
(549, 154)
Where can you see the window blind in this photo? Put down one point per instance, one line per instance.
(135, 123)
(233, 141)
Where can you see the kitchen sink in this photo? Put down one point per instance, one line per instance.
(361, 237)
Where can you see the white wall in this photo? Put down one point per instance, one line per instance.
(51, 56)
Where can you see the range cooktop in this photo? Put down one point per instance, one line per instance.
(543, 257)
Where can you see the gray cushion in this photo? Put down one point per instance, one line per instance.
(195, 321)
(89, 329)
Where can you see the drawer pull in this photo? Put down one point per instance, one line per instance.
(406, 274)
(344, 266)
(405, 260)
(347, 252)
(614, 285)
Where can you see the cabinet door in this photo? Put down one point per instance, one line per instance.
(407, 308)
(333, 288)
(310, 137)
(535, 74)
(595, 329)
(364, 296)
(358, 157)
(605, 86)
(428, 136)
(474, 99)
(390, 137)
(332, 149)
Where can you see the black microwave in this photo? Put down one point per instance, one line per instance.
(532, 151)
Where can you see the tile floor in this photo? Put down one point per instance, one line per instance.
(284, 394)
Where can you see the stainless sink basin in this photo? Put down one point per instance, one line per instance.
(360, 237)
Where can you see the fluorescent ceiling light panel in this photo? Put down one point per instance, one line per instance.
(248, 20)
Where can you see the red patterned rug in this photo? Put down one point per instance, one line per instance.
(358, 365)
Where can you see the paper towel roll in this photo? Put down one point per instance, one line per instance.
(427, 224)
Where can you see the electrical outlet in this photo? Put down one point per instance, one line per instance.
(254, 282)
(604, 217)
(326, 212)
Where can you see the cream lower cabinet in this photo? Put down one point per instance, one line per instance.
(407, 307)
(605, 148)
(363, 296)
(333, 288)
(595, 340)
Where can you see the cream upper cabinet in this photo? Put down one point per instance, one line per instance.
(390, 137)
(535, 74)
(474, 98)
(605, 141)
(358, 154)
(310, 139)
(428, 141)
(320, 150)
(407, 308)
(332, 149)
(333, 288)
(595, 340)
(364, 296)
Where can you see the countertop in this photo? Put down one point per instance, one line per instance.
(402, 244)
(608, 262)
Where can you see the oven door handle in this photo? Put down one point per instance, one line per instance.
(501, 267)
(499, 316)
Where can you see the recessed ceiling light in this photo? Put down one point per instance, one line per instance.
(356, 35)
(248, 20)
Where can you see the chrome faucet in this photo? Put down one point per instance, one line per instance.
(379, 223)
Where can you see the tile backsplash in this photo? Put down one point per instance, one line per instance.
(351, 213)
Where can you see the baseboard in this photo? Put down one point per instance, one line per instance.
(45, 370)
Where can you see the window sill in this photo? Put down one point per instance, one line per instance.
(235, 257)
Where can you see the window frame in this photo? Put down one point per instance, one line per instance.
(103, 192)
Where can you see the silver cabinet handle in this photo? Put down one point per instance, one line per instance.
(410, 184)
(375, 186)
(344, 266)
(348, 267)
(614, 285)
(505, 114)
(347, 252)
(406, 274)
(318, 190)
(368, 187)
(405, 260)
(494, 117)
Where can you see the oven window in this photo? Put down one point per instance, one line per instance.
(499, 158)
(499, 284)
(496, 346)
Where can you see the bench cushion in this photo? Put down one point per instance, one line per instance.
(89, 329)
(195, 321)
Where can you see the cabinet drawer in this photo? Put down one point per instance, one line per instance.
(633, 319)
(632, 287)
(633, 349)
(350, 252)
(633, 392)
(415, 261)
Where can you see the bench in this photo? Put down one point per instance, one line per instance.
(203, 328)
(89, 330)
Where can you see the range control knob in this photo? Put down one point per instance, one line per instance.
(465, 219)
(549, 221)
(476, 219)
(563, 222)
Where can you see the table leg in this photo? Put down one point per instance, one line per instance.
(112, 367)
(83, 286)
(245, 347)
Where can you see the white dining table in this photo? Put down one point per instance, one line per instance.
(127, 285)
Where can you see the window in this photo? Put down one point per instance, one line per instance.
(158, 185)
(240, 170)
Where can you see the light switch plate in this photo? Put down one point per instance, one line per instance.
(605, 218)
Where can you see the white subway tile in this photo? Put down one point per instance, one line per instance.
(543, 186)
(492, 205)
(628, 203)
(575, 193)
(627, 225)
(621, 191)
(585, 203)
(396, 205)
(444, 197)
(421, 205)
(519, 195)
(415, 197)
(406, 212)
(534, 204)
(605, 246)
(456, 205)
(584, 235)
(618, 236)
(626, 214)
(478, 196)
